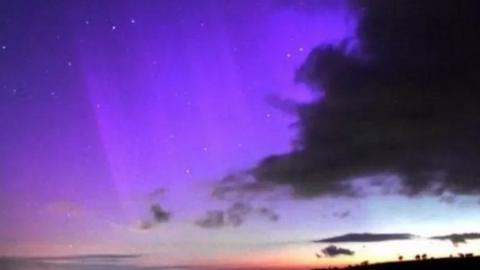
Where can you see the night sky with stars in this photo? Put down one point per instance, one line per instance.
(237, 134)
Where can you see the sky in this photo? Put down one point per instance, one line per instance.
(236, 134)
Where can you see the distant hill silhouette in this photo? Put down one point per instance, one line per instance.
(465, 263)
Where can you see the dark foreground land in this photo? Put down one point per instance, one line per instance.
(433, 264)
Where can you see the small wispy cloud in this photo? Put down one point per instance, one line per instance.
(235, 215)
(91, 258)
(212, 219)
(342, 215)
(86, 261)
(159, 214)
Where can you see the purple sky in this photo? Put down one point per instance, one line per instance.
(104, 102)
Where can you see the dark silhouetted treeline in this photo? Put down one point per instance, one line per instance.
(464, 263)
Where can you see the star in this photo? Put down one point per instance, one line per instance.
(4, 47)
(114, 27)
(69, 63)
(300, 49)
(187, 171)
(288, 55)
(87, 22)
(132, 21)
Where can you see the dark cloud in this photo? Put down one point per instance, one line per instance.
(401, 100)
(366, 237)
(241, 186)
(449, 199)
(235, 215)
(268, 213)
(213, 219)
(333, 251)
(159, 214)
(458, 238)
